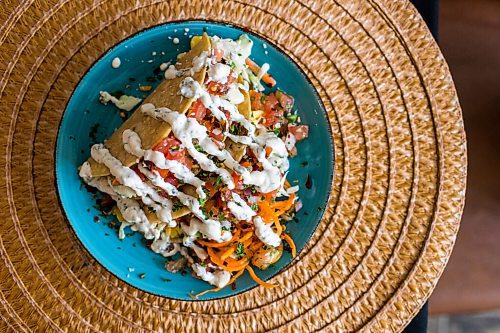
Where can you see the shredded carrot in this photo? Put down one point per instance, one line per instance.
(279, 228)
(214, 257)
(246, 236)
(290, 242)
(228, 252)
(283, 206)
(256, 278)
(267, 78)
(235, 265)
(235, 276)
(267, 214)
(247, 243)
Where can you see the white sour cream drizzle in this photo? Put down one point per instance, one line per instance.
(265, 233)
(127, 177)
(209, 228)
(240, 209)
(129, 208)
(219, 278)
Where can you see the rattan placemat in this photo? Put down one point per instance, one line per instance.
(398, 193)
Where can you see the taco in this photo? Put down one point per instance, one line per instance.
(200, 167)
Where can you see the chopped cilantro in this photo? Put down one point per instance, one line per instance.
(224, 228)
(198, 148)
(254, 207)
(218, 181)
(202, 201)
(276, 131)
(240, 251)
(177, 206)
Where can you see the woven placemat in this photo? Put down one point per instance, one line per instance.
(398, 193)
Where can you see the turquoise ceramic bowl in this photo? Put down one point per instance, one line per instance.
(86, 121)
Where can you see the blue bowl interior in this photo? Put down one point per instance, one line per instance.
(86, 121)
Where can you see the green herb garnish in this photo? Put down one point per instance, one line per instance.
(177, 205)
(240, 251)
(218, 181)
(202, 201)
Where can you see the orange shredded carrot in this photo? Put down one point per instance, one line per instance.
(235, 276)
(283, 206)
(290, 242)
(246, 236)
(214, 257)
(247, 243)
(235, 265)
(228, 252)
(265, 211)
(268, 79)
(279, 228)
(256, 278)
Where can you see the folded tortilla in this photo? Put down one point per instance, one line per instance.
(152, 131)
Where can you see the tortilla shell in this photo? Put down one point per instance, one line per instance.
(150, 130)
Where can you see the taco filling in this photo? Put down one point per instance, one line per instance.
(200, 167)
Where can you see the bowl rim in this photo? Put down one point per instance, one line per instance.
(223, 23)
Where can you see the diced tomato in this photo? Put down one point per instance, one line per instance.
(273, 117)
(218, 135)
(257, 99)
(271, 102)
(299, 131)
(216, 88)
(218, 54)
(286, 101)
(170, 147)
(136, 169)
(198, 110)
(172, 180)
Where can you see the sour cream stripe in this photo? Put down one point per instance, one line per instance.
(128, 177)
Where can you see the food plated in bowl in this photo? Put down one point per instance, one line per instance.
(200, 168)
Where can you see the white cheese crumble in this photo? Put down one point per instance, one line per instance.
(116, 62)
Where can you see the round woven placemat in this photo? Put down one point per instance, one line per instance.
(398, 193)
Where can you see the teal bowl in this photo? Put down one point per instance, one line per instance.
(86, 121)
